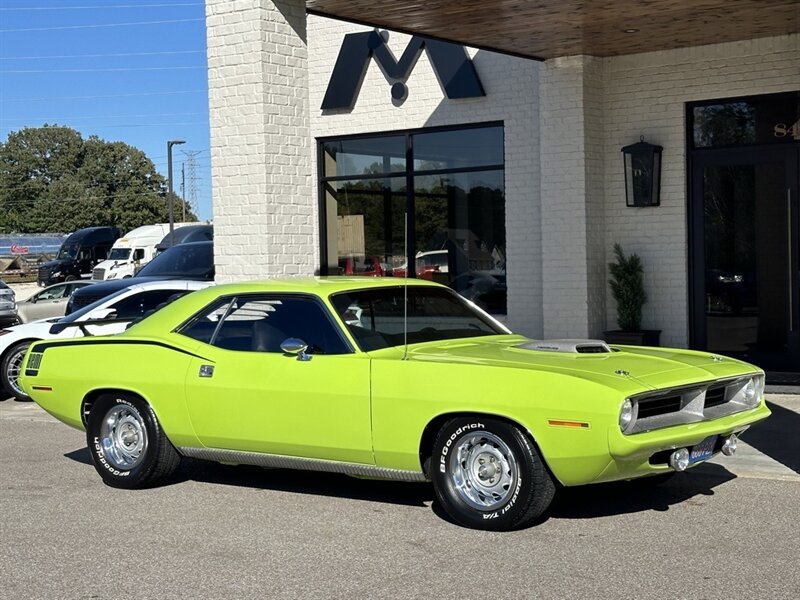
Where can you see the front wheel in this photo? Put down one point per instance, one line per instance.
(128, 447)
(70, 278)
(487, 474)
(12, 368)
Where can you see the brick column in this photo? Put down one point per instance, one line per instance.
(573, 259)
(264, 214)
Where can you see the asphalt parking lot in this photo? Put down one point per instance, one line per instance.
(724, 530)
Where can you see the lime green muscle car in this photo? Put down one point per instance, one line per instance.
(378, 378)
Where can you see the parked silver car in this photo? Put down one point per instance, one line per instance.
(8, 305)
(50, 302)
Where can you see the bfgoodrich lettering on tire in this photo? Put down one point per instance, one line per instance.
(128, 447)
(487, 474)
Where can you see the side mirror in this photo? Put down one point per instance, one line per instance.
(296, 347)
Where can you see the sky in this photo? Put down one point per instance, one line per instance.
(133, 71)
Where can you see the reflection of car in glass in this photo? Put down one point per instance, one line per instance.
(426, 264)
(370, 377)
(368, 266)
(49, 302)
(729, 292)
(108, 315)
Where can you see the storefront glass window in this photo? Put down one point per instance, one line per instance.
(454, 191)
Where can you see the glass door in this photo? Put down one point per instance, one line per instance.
(745, 255)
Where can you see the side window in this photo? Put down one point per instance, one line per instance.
(262, 323)
(137, 305)
(138, 254)
(53, 293)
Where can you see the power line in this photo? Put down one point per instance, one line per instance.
(62, 118)
(114, 54)
(101, 96)
(117, 69)
(100, 25)
(99, 6)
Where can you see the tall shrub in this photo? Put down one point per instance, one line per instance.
(627, 287)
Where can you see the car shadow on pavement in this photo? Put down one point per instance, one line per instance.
(624, 497)
(305, 482)
(778, 437)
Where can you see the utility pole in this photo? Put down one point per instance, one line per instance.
(183, 190)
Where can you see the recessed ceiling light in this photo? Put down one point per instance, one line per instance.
(630, 31)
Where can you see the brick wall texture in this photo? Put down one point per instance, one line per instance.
(565, 122)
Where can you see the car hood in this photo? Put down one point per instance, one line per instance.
(54, 264)
(651, 368)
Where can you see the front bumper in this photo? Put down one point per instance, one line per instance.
(631, 454)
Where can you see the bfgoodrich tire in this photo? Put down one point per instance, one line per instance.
(12, 368)
(128, 447)
(487, 474)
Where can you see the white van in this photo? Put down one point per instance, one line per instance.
(131, 251)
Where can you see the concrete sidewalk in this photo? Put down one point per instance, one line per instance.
(770, 449)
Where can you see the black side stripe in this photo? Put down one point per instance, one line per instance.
(43, 346)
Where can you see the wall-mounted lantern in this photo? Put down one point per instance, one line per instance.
(642, 173)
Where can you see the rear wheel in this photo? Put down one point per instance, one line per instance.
(487, 474)
(128, 446)
(70, 278)
(12, 369)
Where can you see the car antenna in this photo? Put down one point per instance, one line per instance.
(405, 289)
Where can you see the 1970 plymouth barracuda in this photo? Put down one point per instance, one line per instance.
(376, 378)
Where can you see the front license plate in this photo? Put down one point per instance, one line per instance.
(703, 450)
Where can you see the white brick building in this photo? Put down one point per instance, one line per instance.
(564, 121)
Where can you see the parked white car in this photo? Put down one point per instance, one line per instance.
(48, 303)
(106, 316)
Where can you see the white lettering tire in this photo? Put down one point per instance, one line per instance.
(487, 474)
(128, 447)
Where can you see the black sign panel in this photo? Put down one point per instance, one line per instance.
(450, 62)
(768, 119)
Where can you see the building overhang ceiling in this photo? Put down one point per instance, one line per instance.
(549, 28)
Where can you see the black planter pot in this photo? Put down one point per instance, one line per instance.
(645, 337)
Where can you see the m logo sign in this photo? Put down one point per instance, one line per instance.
(450, 62)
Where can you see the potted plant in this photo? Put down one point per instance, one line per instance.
(627, 287)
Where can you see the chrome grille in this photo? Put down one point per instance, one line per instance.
(689, 404)
(99, 274)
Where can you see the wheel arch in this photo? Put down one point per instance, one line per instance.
(91, 397)
(8, 349)
(431, 430)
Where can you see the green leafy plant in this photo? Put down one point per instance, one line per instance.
(627, 287)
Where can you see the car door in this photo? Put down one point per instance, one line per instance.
(247, 394)
(47, 303)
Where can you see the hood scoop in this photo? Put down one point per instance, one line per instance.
(568, 346)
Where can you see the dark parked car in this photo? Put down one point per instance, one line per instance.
(185, 235)
(194, 260)
(78, 255)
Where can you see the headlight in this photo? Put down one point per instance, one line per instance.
(57, 274)
(753, 390)
(626, 415)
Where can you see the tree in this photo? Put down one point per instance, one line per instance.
(52, 180)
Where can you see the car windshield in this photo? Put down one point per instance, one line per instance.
(119, 254)
(67, 252)
(187, 260)
(375, 317)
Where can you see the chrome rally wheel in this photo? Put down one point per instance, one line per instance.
(483, 471)
(129, 449)
(487, 474)
(123, 437)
